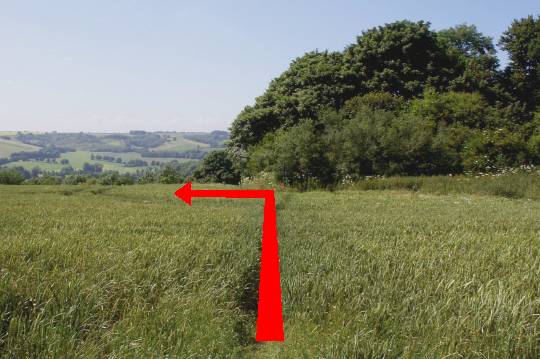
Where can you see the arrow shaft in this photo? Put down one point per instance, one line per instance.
(270, 316)
(231, 193)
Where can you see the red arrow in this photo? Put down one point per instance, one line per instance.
(270, 316)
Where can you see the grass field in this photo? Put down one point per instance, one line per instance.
(78, 158)
(509, 185)
(28, 165)
(133, 272)
(180, 144)
(7, 147)
(8, 133)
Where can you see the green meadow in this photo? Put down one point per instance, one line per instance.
(178, 142)
(131, 271)
(7, 147)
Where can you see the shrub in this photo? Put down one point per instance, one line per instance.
(11, 176)
(489, 151)
(75, 179)
(217, 167)
(300, 157)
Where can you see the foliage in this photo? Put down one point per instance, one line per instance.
(217, 167)
(136, 163)
(169, 175)
(521, 182)
(402, 100)
(299, 156)
(93, 167)
(401, 58)
(474, 58)
(312, 82)
(113, 178)
(42, 154)
(522, 42)
(11, 176)
(494, 149)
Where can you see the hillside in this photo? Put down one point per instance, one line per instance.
(123, 152)
(8, 145)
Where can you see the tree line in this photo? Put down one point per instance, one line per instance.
(169, 173)
(401, 100)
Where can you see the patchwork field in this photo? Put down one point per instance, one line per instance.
(7, 147)
(134, 272)
(28, 165)
(179, 143)
(85, 145)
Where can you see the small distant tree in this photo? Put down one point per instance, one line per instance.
(36, 171)
(169, 175)
(148, 176)
(217, 167)
(11, 176)
(522, 42)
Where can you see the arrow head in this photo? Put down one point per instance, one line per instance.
(184, 193)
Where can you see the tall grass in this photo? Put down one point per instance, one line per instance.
(517, 185)
(132, 272)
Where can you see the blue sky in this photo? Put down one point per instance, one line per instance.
(106, 66)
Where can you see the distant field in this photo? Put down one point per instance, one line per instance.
(92, 271)
(28, 165)
(7, 147)
(8, 133)
(126, 156)
(180, 144)
(82, 146)
(97, 144)
(78, 158)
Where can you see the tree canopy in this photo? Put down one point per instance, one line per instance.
(402, 99)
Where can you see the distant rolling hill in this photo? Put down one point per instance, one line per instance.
(8, 146)
(130, 152)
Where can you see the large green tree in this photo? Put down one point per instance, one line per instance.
(402, 99)
(522, 42)
(474, 58)
(401, 58)
(311, 83)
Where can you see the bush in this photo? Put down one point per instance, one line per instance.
(489, 151)
(455, 108)
(44, 180)
(11, 176)
(75, 179)
(373, 101)
(113, 178)
(300, 157)
(217, 167)
(169, 175)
